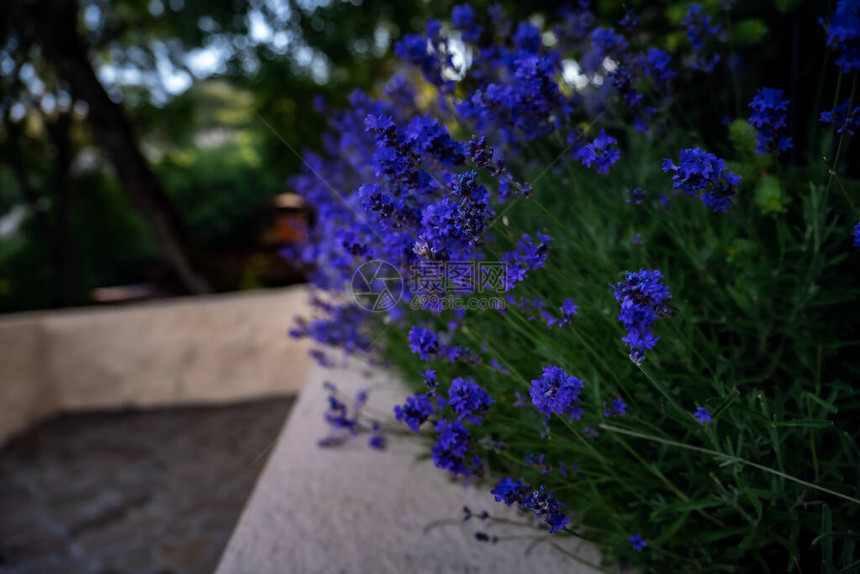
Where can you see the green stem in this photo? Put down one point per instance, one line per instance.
(730, 458)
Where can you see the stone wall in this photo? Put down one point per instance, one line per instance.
(184, 351)
(354, 509)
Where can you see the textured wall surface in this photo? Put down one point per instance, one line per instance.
(353, 510)
(186, 351)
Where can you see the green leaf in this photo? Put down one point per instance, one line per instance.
(769, 196)
(754, 500)
(840, 535)
(725, 403)
(709, 536)
(828, 405)
(810, 423)
(785, 6)
(688, 505)
(743, 137)
(673, 528)
(749, 32)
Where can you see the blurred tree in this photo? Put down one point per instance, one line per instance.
(51, 24)
(119, 64)
(138, 55)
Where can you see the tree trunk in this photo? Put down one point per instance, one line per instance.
(55, 25)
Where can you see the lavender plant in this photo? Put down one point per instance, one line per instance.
(695, 410)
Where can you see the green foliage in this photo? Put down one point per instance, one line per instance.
(787, 5)
(742, 136)
(219, 189)
(112, 241)
(749, 32)
(763, 333)
(112, 245)
(769, 196)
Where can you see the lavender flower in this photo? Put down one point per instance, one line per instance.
(454, 224)
(843, 33)
(521, 401)
(527, 38)
(498, 367)
(602, 153)
(430, 379)
(659, 67)
(542, 502)
(567, 310)
(703, 415)
(342, 328)
(467, 514)
(528, 103)
(463, 18)
(418, 408)
(343, 421)
(483, 155)
(377, 439)
(770, 112)
(539, 461)
(575, 23)
(643, 299)
(607, 42)
(427, 136)
(843, 120)
(428, 52)
(337, 415)
(401, 92)
(618, 407)
(484, 537)
(857, 236)
(638, 542)
(468, 400)
(636, 195)
(622, 81)
(699, 30)
(703, 174)
(452, 445)
(564, 469)
(547, 507)
(557, 392)
(454, 354)
(528, 256)
(424, 342)
(511, 492)
(629, 21)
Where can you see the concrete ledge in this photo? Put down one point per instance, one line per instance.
(354, 510)
(186, 351)
(26, 393)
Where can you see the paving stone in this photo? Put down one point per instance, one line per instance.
(131, 492)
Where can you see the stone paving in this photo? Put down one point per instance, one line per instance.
(131, 492)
